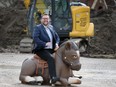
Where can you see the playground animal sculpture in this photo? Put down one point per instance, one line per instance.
(67, 58)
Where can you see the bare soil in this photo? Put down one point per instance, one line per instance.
(104, 41)
(12, 23)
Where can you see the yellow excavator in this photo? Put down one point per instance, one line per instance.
(70, 18)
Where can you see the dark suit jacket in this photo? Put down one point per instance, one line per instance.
(41, 37)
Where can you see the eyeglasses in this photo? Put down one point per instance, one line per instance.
(45, 18)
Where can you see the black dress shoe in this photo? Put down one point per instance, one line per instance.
(54, 80)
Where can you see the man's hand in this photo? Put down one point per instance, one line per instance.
(48, 44)
(56, 48)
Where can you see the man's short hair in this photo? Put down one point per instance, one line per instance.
(45, 15)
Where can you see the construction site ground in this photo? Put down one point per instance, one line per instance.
(94, 72)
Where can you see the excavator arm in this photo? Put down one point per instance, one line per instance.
(27, 3)
(26, 44)
(30, 6)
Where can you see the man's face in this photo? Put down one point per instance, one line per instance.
(45, 20)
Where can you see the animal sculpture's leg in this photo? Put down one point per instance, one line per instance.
(27, 70)
(29, 79)
(38, 79)
(74, 80)
(64, 82)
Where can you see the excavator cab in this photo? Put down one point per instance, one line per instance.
(70, 18)
(81, 21)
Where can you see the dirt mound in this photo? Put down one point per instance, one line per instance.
(12, 22)
(104, 41)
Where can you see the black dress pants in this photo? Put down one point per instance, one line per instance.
(45, 54)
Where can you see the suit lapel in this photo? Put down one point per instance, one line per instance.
(45, 31)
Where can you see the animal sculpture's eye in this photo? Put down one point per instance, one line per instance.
(74, 56)
(64, 57)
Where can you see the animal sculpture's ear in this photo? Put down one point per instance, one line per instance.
(68, 46)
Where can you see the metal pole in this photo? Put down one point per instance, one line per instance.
(53, 11)
(31, 17)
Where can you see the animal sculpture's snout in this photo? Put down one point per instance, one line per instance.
(76, 66)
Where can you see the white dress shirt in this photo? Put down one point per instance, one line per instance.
(50, 36)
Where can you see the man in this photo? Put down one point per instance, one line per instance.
(46, 41)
